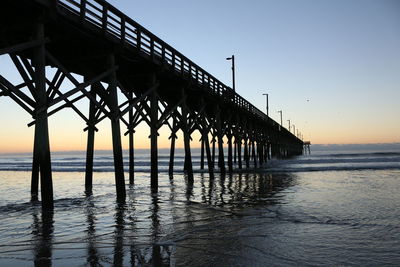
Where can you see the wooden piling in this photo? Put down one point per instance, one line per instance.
(213, 141)
(131, 145)
(202, 154)
(42, 144)
(239, 151)
(260, 150)
(246, 153)
(205, 139)
(234, 150)
(186, 140)
(172, 155)
(90, 144)
(221, 158)
(35, 174)
(230, 162)
(173, 137)
(116, 133)
(254, 156)
(153, 142)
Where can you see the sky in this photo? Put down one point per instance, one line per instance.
(332, 67)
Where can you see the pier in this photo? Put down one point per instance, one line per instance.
(101, 54)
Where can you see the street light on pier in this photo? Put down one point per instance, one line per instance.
(266, 95)
(289, 125)
(233, 70)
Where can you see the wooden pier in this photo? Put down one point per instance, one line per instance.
(112, 54)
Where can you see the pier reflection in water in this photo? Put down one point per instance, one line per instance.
(42, 237)
(149, 229)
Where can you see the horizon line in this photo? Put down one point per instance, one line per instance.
(162, 148)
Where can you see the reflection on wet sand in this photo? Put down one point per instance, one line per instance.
(92, 257)
(159, 229)
(42, 231)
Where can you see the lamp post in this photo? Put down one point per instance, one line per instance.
(233, 70)
(294, 129)
(289, 125)
(266, 95)
(280, 111)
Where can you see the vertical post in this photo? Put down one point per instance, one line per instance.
(202, 154)
(213, 147)
(265, 152)
(90, 144)
(116, 133)
(35, 174)
(210, 163)
(131, 144)
(186, 140)
(246, 153)
(269, 150)
(260, 148)
(172, 152)
(153, 142)
(234, 149)
(239, 150)
(230, 164)
(206, 143)
(221, 158)
(254, 153)
(42, 144)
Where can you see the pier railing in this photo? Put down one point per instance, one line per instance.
(130, 33)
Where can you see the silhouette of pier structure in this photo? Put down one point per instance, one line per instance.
(99, 54)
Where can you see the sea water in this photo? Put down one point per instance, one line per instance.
(333, 207)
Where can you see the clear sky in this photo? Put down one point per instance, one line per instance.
(333, 67)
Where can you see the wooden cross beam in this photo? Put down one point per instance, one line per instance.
(23, 46)
(11, 88)
(169, 110)
(8, 92)
(28, 80)
(76, 83)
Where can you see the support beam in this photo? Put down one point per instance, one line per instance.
(213, 140)
(206, 142)
(42, 144)
(172, 154)
(131, 144)
(23, 46)
(153, 141)
(230, 162)
(186, 140)
(221, 158)
(90, 144)
(202, 154)
(239, 151)
(35, 174)
(234, 151)
(254, 156)
(246, 153)
(116, 132)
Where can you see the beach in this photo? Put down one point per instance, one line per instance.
(328, 208)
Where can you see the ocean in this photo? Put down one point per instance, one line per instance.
(339, 206)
